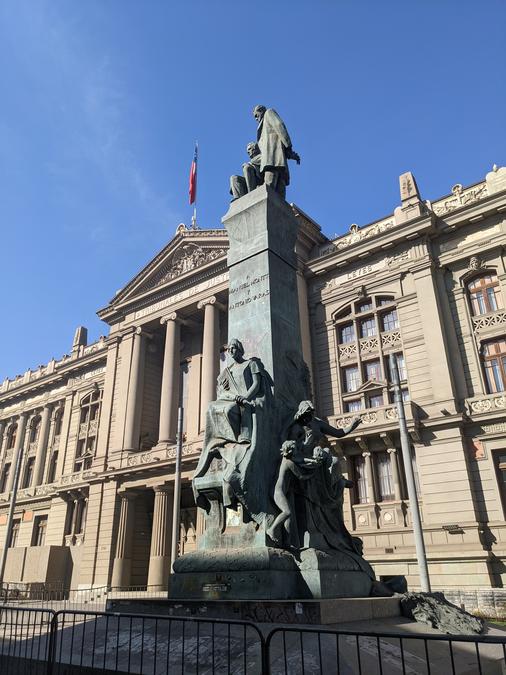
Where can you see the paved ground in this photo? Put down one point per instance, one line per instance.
(153, 647)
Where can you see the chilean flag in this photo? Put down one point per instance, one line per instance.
(193, 178)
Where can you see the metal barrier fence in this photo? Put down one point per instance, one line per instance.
(25, 639)
(301, 651)
(66, 642)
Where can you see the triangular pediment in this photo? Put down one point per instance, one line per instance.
(371, 385)
(184, 256)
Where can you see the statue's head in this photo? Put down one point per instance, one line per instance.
(235, 349)
(258, 112)
(305, 412)
(252, 149)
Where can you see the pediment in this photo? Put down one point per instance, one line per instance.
(183, 256)
(371, 385)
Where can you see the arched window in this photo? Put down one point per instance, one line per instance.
(34, 429)
(58, 421)
(484, 294)
(494, 363)
(11, 436)
(88, 430)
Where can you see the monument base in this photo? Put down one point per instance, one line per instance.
(266, 573)
(314, 612)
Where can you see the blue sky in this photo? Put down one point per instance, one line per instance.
(102, 101)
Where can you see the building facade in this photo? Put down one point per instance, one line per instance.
(97, 428)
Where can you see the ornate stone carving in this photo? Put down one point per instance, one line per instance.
(358, 234)
(187, 258)
(461, 197)
(488, 403)
(390, 338)
(491, 320)
(369, 344)
(475, 263)
(347, 351)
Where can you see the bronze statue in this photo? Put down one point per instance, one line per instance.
(243, 389)
(251, 179)
(275, 149)
(310, 485)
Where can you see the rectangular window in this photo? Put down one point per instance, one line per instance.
(27, 478)
(51, 473)
(14, 533)
(401, 367)
(384, 474)
(372, 371)
(353, 406)
(494, 358)
(364, 306)
(351, 378)
(346, 333)
(389, 320)
(361, 494)
(368, 327)
(39, 531)
(375, 401)
(5, 478)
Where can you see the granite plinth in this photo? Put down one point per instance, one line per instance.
(265, 573)
(301, 611)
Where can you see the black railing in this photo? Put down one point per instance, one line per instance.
(301, 651)
(72, 641)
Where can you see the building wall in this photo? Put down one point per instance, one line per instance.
(423, 263)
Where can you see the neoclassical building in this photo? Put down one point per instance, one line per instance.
(97, 428)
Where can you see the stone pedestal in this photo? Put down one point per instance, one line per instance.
(263, 307)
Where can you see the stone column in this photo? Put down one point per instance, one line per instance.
(3, 425)
(40, 457)
(395, 473)
(369, 477)
(159, 557)
(210, 355)
(122, 565)
(64, 436)
(20, 438)
(170, 380)
(135, 391)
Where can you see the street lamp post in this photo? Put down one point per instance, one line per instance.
(10, 518)
(410, 479)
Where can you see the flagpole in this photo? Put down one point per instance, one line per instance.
(194, 217)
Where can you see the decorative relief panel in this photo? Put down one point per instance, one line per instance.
(461, 197)
(491, 320)
(370, 416)
(357, 234)
(391, 339)
(347, 351)
(369, 344)
(187, 258)
(486, 404)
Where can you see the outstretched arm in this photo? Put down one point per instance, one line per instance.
(329, 430)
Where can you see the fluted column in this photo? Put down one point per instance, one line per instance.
(159, 557)
(135, 391)
(122, 565)
(40, 457)
(395, 472)
(210, 354)
(369, 477)
(170, 380)
(20, 438)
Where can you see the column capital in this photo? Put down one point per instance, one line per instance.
(169, 317)
(207, 301)
(127, 494)
(392, 451)
(163, 487)
(366, 454)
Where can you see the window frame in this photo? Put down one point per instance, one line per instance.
(500, 357)
(480, 295)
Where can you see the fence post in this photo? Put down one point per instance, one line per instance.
(51, 651)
